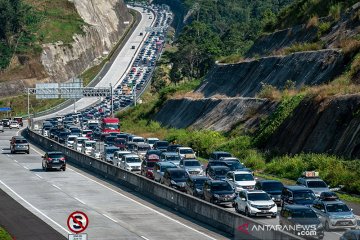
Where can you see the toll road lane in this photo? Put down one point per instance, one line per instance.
(53, 195)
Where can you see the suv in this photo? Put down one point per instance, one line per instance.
(255, 203)
(299, 219)
(170, 157)
(313, 182)
(175, 178)
(53, 160)
(271, 187)
(147, 168)
(160, 168)
(130, 162)
(241, 180)
(217, 155)
(19, 120)
(14, 124)
(297, 195)
(218, 172)
(185, 152)
(195, 185)
(334, 214)
(19, 144)
(191, 166)
(118, 157)
(218, 192)
(161, 145)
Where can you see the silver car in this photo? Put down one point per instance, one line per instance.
(334, 214)
(317, 185)
(1, 127)
(191, 166)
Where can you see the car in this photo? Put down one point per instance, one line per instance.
(335, 214)
(255, 203)
(161, 145)
(118, 156)
(70, 141)
(192, 166)
(311, 180)
(271, 187)
(131, 162)
(195, 185)
(153, 152)
(175, 178)
(95, 153)
(108, 154)
(328, 196)
(141, 148)
(218, 192)
(151, 141)
(185, 152)
(170, 157)
(78, 141)
(233, 163)
(19, 144)
(87, 147)
(6, 122)
(301, 220)
(351, 235)
(1, 127)
(295, 194)
(160, 168)
(14, 124)
(19, 120)
(133, 47)
(147, 168)
(137, 139)
(218, 172)
(53, 160)
(241, 180)
(120, 143)
(218, 154)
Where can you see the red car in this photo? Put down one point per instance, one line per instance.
(147, 168)
(120, 143)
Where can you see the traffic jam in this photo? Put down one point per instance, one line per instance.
(222, 179)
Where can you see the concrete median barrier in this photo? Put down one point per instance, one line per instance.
(217, 217)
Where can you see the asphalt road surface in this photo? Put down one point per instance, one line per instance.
(113, 212)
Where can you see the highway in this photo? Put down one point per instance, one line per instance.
(120, 65)
(113, 212)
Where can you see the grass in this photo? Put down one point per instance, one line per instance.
(4, 235)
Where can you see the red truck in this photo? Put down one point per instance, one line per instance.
(110, 125)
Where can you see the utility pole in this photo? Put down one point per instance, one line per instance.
(28, 103)
(135, 95)
(111, 101)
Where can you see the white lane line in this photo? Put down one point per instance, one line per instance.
(109, 218)
(338, 233)
(36, 209)
(56, 186)
(26, 167)
(80, 200)
(39, 176)
(15, 161)
(7, 155)
(144, 238)
(147, 207)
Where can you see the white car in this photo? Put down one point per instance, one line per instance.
(14, 124)
(70, 141)
(95, 154)
(185, 153)
(78, 141)
(131, 162)
(241, 180)
(255, 203)
(151, 141)
(87, 147)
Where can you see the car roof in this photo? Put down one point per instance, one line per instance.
(216, 181)
(241, 172)
(297, 187)
(131, 155)
(217, 152)
(198, 177)
(54, 152)
(254, 191)
(219, 167)
(170, 153)
(18, 137)
(296, 206)
(268, 181)
(175, 170)
(111, 147)
(332, 202)
(165, 163)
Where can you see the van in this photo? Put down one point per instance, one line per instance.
(297, 195)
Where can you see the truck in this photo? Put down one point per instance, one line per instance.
(110, 125)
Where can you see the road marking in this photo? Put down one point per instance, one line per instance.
(8, 155)
(26, 167)
(109, 218)
(144, 238)
(56, 186)
(15, 161)
(147, 207)
(338, 233)
(36, 209)
(80, 200)
(39, 176)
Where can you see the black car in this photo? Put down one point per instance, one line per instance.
(195, 185)
(328, 196)
(297, 195)
(233, 165)
(301, 221)
(173, 147)
(19, 144)
(218, 172)
(175, 178)
(6, 122)
(151, 152)
(272, 187)
(54, 160)
(218, 154)
(62, 136)
(218, 192)
(161, 145)
(110, 140)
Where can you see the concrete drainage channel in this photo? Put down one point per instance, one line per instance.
(195, 208)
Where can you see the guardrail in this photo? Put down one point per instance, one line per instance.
(195, 208)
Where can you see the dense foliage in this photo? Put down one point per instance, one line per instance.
(219, 28)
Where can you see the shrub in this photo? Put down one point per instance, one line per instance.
(323, 28)
(303, 47)
(313, 22)
(335, 11)
(269, 92)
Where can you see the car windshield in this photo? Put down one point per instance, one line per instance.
(304, 195)
(234, 165)
(178, 174)
(113, 126)
(90, 144)
(271, 186)
(133, 160)
(120, 140)
(80, 141)
(150, 141)
(258, 197)
(21, 141)
(138, 140)
(172, 158)
(192, 164)
(143, 149)
(223, 186)
(111, 150)
(56, 155)
(150, 164)
(244, 177)
(337, 207)
(162, 144)
(110, 139)
(186, 151)
(163, 168)
(220, 155)
(304, 213)
(316, 184)
(71, 138)
(222, 171)
(199, 183)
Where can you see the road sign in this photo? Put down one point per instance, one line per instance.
(77, 222)
(5, 109)
(82, 236)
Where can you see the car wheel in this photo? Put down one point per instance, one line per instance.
(247, 213)
(64, 169)
(273, 216)
(327, 228)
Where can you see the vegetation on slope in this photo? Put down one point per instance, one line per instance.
(4, 235)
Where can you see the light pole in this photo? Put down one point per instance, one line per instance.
(111, 101)
(134, 93)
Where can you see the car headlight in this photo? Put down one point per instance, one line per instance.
(273, 205)
(173, 182)
(216, 195)
(233, 195)
(253, 205)
(332, 217)
(320, 226)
